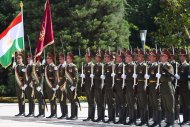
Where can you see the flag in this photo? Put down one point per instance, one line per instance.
(46, 36)
(11, 40)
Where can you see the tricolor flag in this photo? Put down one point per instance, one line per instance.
(46, 36)
(11, 40)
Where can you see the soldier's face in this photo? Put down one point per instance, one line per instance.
(61, 60)
(140, 58)
(28, 59)
(107, 59)
(49, 60)
(182, 58)
(87, 59)
(164, 58)
(69, 59)
(118, 59)
(19, 59)
(128, 58)
(97, 59)
(152, 58)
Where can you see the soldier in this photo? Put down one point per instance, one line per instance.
(166, 87)
(118, 87)
(109, 74)
(154, 97)
(71, 73)
(19, 70)
(89, 85)
(30, 87)
(61, 86)
(177, 98)
(38, 86)
(130, 94)
(141, 89)
(51, 84)
(184, 88)
(98, 91)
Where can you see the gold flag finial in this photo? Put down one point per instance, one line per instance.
(21, 5)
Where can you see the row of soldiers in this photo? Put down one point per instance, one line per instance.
(60, 83)
(126, 82)
(137, 86)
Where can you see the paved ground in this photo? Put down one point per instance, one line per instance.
(7, 119)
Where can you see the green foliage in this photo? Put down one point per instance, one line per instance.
(140, 15)
(171, 20)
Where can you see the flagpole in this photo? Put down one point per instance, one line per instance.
(21, 7)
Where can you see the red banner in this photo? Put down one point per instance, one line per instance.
(46, 36)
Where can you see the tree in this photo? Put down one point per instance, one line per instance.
(175, 15)
(95, 24)
(140, 15)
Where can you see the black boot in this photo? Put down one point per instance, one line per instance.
(120, 121)
(124, 115)
(64, 113)
(111, 115)
(30, 115)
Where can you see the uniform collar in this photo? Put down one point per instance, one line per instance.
(184, 62)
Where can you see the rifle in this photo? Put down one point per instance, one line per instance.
(92, 80)
(82, 80)
(135, 79)
(176, 73)
(123, 74)
(113, 77)
(102, 85)
(146, 80)
(158, 79)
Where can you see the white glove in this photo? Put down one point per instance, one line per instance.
(134, 75)
(38, 88)
(63, 65)
(24, 70)
(72, 88)
(146, 76)
(25, 86)
(22, 88)
(55, 68)
(102, 77)
(177, 76)
(54, 89)
(82, 75)
(113, 74)
(123, 76)
(31, 62)
(14, 64)
(158, 75)
(57, 87)
(91, 75)
(43, 62)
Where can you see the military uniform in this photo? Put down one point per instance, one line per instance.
(141, 93)
(167, 92)
(61, 92)
(38, 87)
(89, 90)
(154, 97)
(130, 95)
(118, 91)
(71, 88)
(177, 98)
(184, 90)
(98, 92)
(30, 89)
(108, 91)
(20, 79)
(51, 82)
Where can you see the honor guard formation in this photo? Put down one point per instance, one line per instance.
(129, 85)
